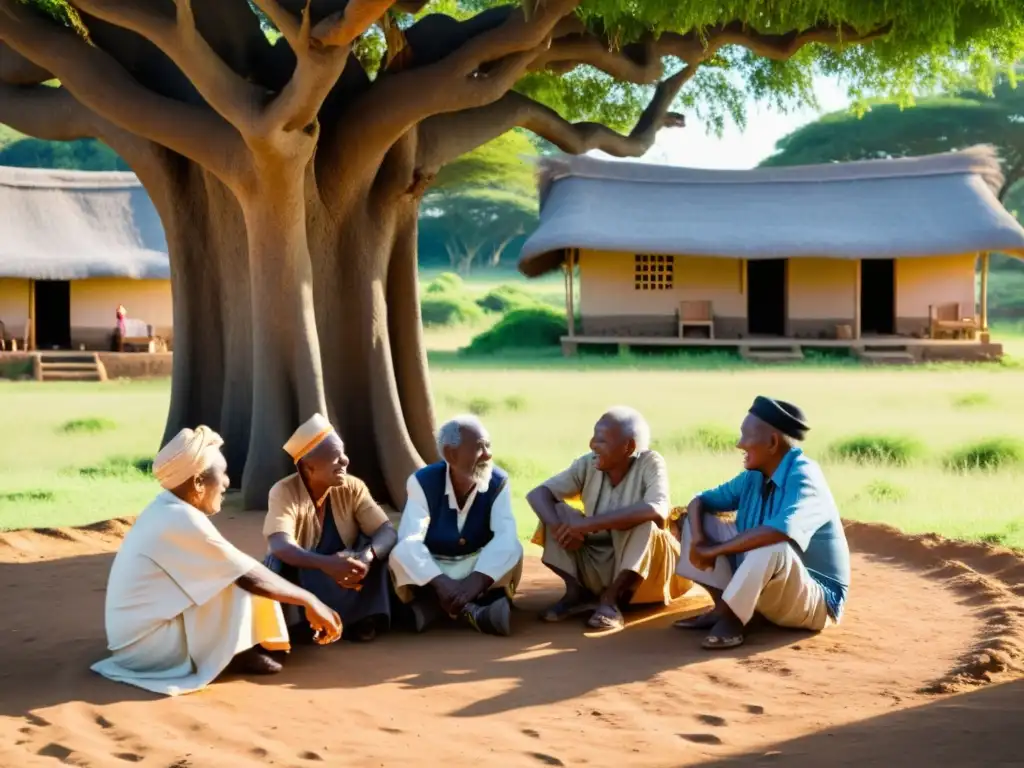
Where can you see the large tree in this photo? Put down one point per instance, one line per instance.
(934, 124)
(288, 168)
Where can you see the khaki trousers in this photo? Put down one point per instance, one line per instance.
(771, 580)
(646, 550)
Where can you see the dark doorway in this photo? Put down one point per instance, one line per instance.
(878, 297)
(53, 314)
(766, 297)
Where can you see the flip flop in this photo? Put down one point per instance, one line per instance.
(565, 609)
(717, 643)
(605, 618)
(704, 621)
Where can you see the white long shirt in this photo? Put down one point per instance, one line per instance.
(411, 561)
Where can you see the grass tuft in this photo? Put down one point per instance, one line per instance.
(34, 496)
(86, 426)
(972, 400)
(884, 492)
(120, 467)
(994, 453)
(890, 450)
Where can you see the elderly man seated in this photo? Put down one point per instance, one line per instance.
(182, 602)
(617, 551)
(786, 555)
(326, 533)
(458, 552)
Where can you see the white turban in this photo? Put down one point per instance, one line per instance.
(307, 437)
(189, 454)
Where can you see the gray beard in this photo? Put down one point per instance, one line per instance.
(482, 475)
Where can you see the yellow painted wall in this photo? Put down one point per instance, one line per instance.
(14, 304)
(934, 280)
(607, 286)
(821, 289)
(93, 302)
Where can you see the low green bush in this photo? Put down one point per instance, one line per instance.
(533, 328)
(120, 467)
(86, 426)
(446, 282)
(506, 298)
(894, 450)
(440, 310)
(994, 453)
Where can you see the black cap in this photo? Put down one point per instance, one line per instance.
(785, 417)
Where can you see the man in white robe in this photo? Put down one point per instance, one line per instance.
(182, 602)
(458, 550)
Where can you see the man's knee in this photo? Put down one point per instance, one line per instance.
(771, 556)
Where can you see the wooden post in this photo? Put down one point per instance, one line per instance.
(570, 311)
(984, 292)
(856, 301)
(30, 342)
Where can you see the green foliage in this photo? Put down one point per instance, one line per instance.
(991, 454)
(81, 155)
(447, 309)
(533, 328)
(446, 282)
(27, 497)
(86, 426)
(884, 492)
(480, 204)
(120, 467)
(506, 298)
(893, 450)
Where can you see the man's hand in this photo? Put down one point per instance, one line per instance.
(345, 569)
(703, 556)
(447, 590)
(567, 533)
(469, 589)
(326, 623)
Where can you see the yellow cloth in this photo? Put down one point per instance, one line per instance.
(292, 512)
(174, 616)
(307, 437)
(188, 454)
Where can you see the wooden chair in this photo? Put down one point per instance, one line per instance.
(137, 333)
(9, 343)
(947, 319)
(696, 314)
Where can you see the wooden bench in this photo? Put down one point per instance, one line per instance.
(137, 334)
(696, 314)
(10, 343)
(946, 319)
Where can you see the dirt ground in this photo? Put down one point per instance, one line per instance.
(927, 669)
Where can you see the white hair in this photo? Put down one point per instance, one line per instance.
(633, 425)
(450, 433)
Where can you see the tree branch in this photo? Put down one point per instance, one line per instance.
(637, 63)
(235, 99)
(340, 29)
(102, 85)
(15, 69)
(446, 137)
(46, 113)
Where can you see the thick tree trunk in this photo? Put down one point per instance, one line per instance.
(287, 383)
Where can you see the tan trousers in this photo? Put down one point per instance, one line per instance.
(646, 550)
(771, 580)
(457, 569)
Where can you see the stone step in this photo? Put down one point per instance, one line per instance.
(766, 353)
(888, 357)
(85, 366)
(80, 375)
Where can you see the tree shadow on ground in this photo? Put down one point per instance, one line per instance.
(981, 728)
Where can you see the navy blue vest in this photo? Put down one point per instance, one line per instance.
(443, 536)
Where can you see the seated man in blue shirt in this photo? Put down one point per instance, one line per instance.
(786, 556)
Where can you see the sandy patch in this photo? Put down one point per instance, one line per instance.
(927, 618)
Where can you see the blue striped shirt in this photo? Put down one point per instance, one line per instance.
(798, 504)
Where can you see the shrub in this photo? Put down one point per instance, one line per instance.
(88, 426)
(522, 328)
(971, 400)
(506, 298)
(446, 282)
(120, 467)
(877, 449)
(994, 453)
(447, 309)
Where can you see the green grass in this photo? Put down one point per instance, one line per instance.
(542, 417)
(895, 450)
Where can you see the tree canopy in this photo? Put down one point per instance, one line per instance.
(288, 144)
(935, 124)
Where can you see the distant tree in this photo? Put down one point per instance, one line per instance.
(936, 124)
(81, 155)
(482, 202)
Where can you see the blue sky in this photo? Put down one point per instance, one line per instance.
(693, 147)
